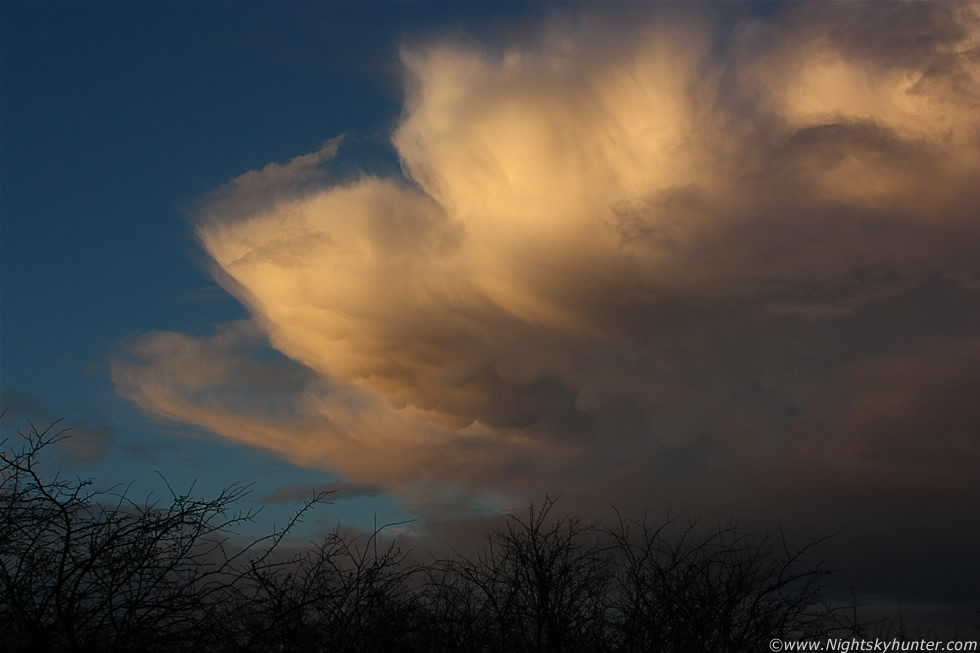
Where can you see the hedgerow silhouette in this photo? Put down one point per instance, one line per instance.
(91, 570)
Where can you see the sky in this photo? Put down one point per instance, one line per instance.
(712, 260)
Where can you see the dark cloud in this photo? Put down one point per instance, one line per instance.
(19, 406)
(80, 441)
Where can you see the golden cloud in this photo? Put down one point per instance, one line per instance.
(597, 248)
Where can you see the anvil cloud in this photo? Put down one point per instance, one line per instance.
(662, 258)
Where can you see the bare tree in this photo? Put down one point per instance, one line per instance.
(539, 585)
(346, 594)
(727, 590)
(87, 570)
(547, 583)
(94, 570)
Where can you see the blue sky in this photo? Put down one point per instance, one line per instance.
(714, 259)
(117, 118)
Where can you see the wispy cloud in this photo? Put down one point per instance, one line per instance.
(335, 491)
(82, 441)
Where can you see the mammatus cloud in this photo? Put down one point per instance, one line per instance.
(684, 260)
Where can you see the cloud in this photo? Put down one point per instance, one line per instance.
(337, 491)
(726, 264)
(81, 440)
(262, 188)
(20, 406)
(87, 442)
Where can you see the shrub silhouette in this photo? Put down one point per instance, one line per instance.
(95, 570)
(89, 570)
(726, 590)
(540, 585)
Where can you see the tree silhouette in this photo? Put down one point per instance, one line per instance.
(89, 570)
(83, 569)
(726, 590)
(538, 586)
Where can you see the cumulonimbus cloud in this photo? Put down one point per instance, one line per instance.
(609, 244)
